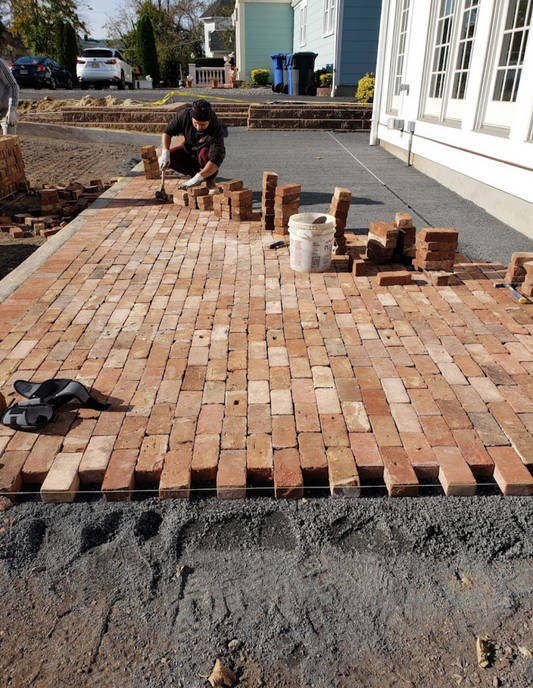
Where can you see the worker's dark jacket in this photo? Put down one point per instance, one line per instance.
(211, 138)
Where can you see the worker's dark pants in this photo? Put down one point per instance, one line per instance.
(184, 162)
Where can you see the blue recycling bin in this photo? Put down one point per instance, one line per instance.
(278, 62)
(301, 68)
(288, 88)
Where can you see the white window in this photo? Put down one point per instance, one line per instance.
(451, 57)
(303, 23)
(399, 53)
(329, 17)
(508, 60)
(466, 25)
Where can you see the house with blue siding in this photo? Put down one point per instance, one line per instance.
(262, 28)
(343, 34)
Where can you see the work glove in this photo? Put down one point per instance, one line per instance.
(12, 117)
(164, 159)
(197, 179)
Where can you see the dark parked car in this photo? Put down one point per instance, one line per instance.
(41, 72)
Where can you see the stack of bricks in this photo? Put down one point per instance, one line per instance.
(340, 204)
(222, 206)
(286, 204)
(270, 183)
(527, 285)
(199, 198)
(12, 174)
(49, 200)
(381, 244)
(181, 198)
(241, 205)
(150, 162)
(234, 203)
(406, 242)
(436, 248)
(516, 272)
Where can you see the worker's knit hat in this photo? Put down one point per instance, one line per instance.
(201, 110)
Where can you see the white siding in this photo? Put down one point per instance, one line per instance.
(454, 139)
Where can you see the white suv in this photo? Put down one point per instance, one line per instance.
(104, 66)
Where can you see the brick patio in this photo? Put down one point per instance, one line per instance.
(226, 368)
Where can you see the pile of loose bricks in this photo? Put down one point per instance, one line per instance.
(12, 173)
(520, 273)
(58, 205)
(432, 251)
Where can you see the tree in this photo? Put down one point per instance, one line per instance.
(146, 48)
(70, 50)
(34, 21)
(177, 30)
(59, 47)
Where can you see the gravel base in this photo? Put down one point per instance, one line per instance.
(370, 592)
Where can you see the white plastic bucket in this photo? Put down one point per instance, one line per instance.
(311, 243)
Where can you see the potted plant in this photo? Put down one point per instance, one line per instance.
(214, 83)
(188, 81)
(324, 90)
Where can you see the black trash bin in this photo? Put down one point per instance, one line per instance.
(302, 74)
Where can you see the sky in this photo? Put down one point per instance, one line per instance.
(100, 13)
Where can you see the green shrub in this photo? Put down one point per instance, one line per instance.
(318, 73)
(260, 77)
(326, 80)
(365, 88)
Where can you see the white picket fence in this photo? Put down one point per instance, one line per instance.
(202, 76)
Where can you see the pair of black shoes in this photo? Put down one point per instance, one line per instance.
(42, 398)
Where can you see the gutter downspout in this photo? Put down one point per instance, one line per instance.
(380, 70)
(338, 52)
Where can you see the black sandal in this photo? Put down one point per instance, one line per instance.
(33, 413)
(58, 392)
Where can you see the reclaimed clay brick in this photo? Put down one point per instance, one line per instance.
(400, 277)
(474, 452)
(231, 476)
(11, 470)
(403, 220)
(399, 476)
(455, 475)
(95, 459)
(367, 456)
(288, 190)
(175, 482)
(119, 479)
(62, 482)
(510, 473)
(205, 458)
(288, 478)
(421, 456)
(342, 194)
(343, 476)
(438, 234)
(313, 456)
(260, 457)
(151, 459)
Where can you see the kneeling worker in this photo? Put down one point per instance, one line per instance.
(202, 152)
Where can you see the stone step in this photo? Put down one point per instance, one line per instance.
(311, 124)
(262, 116)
